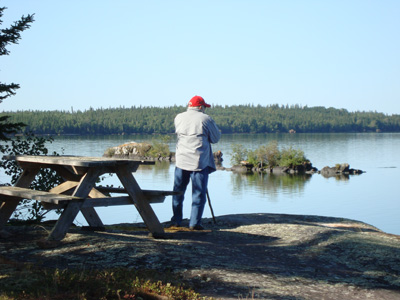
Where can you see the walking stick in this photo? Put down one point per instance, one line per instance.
(209, 203)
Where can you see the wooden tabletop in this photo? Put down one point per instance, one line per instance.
(76, 161)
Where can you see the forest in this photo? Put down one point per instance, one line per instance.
(230, 119)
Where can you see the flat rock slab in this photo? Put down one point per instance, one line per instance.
(253, 256)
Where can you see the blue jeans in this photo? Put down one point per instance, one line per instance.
(199, 194)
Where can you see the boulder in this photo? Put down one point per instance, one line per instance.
(328, 171)
(134, 150)
(355, 171)
(280, 170)
(343, 168)
(240, 169)
(339, 169)
(141, 151)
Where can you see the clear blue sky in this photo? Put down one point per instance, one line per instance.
(86, 53)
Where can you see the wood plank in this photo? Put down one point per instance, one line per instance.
(68, 186)
(64, 222)
(146, 192)
(7, 208)
(94, 202)
(155, 193)
(91, 217)
(116, 201)
(102, 202)
(94, 193)
(106, 189)
(27, 176)
(64, 187)
(24, 193)
(77, 161)
(53, 196)
(110, 201)
(138, 198)
(66, 172)
(18, 192)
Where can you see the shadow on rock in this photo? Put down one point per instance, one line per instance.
(269, 256)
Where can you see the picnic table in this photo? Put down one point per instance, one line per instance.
(79, 193)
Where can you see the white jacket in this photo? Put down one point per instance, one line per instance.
(196, 131)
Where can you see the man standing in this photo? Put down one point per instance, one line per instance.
(194, 159)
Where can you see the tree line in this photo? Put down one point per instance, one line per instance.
(230, 119)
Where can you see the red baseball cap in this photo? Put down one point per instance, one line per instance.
(198, 101)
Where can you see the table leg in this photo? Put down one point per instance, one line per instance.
(146, 212)
(69, 214)
(92, 217)
(89, 213)
(84, 188)
(6, 210)
(65, 221)
(8, 207)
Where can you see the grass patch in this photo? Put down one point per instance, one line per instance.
(268, 155)
(29, 282)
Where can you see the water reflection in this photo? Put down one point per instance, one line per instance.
(269, 184)
(339, 177)
(157, 176)
(160, 167)
(151, 176)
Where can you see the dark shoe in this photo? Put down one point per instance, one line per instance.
(196, 227)
(172, 225)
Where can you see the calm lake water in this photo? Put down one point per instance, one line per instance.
(372, 197)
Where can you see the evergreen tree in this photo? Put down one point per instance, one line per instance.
(9, 36)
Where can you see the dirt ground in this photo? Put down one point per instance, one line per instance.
(252, 256)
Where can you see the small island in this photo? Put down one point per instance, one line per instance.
(267, 159)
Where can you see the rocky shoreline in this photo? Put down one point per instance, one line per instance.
(260, 256)
(306, 168)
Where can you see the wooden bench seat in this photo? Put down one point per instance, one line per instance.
(57, 201)
(104, 189)
(25, 193)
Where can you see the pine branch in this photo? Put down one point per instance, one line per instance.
(13, 34)
(7, 128)
(7, 90)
